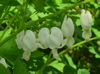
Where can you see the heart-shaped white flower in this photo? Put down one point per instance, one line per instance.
(86, 19)
(86, 23)
(68, 31)
(51, 39)
(27, 41)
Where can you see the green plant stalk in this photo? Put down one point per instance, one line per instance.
(80, 43)
(44, 66)
(40, 20)
(6, 12)
(11, 21)
(54, 14)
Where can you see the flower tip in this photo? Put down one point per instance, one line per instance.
(26, 55)
(83, 11)
(86, 34)
(70, 42)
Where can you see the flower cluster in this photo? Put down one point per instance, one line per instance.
(54, 38)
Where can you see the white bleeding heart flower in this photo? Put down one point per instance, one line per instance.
(68, 31)
(3, 62)
(51, 39)
(86, 19)
(27, 41)
(86, 23)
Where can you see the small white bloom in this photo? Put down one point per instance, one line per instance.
(27, 41)
(68, 31)
(86, 23)
(51, 39)
(3, 62)
(56, 38)
(86, 19)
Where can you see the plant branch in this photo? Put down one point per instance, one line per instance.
(80, 43)
(40, 20)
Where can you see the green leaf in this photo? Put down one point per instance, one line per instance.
(66, 1)
(58, 1)
(61, 6)
(69, 70)
(38, 5)
(4, 70)
(36, 54)
(96, 31)
(83, 71)
(6, 34)
(73, 0)
(1, 9)
(9, 2)
(59, 66)
(20, 68)
(95, 51)
(20, 1)
(68, 61)
(10, 51)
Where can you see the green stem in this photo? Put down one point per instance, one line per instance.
(80, 43)
(44, 66)
(6, 12)
(55, 14)
(11, 21)
(40, 20)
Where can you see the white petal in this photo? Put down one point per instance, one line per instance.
(70, 42)
(70, 26)
(41, 46)
(86, 20)
(44, 36)
(67, 27)
(83, 11)
(55, 53)
(86, 34)
(56, 38)
(64, 21)
(63, 43)
(29, 41)
(19, 39)
(26, 55)
(89, 16)
(3, 62)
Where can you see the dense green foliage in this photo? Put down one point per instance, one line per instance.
(18, 15)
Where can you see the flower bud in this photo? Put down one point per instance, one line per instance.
(68, 31)
(86, 23)
(86, 19)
